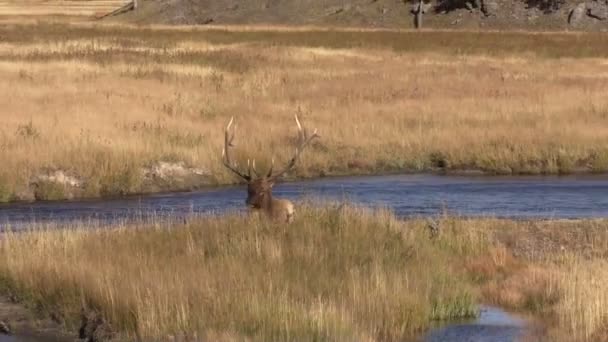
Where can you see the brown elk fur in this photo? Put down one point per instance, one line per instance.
(259, 197)
(259, 189)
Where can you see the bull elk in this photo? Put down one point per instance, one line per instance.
(259, 187)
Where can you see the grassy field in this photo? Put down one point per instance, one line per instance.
(338, 273)
(45, 8)
(106, 104)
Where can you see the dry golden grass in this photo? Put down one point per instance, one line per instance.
(102, 102)
(559, 277)
(584, 309)
(336, 274)
(49, 8)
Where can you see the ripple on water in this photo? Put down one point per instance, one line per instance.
(539, 197)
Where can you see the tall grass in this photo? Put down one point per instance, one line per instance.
(584, 310)
(559, 275)
(105, 103)
(339, 273)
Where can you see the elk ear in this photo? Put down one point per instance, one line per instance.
(271, 184)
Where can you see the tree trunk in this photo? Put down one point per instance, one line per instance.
(419, 13)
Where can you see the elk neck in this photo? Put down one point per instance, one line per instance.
(267, 200)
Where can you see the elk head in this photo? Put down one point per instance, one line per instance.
(259, 187)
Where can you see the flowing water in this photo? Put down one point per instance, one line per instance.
(492, 325)
(408, 195)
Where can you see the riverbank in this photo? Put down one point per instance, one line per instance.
(107, 110)
(337, 273)
(23, 324)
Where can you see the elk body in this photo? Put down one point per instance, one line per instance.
(259, 187)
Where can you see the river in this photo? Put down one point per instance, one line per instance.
(542, 197)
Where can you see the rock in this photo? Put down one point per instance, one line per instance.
(55, 185)
(434, 228)
(206, 21)
(334, 10)
(59, 177)
(94, 328)
(426, 7)
(173, 176)
(421, 6)
(469, 6)
(26, 195)
(597, 10)
(577, 15)
(167, 171)
(489, 7)
(5, 328)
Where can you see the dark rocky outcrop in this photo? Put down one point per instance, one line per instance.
(591, 15)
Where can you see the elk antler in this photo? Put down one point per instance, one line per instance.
(303, 141)
(228, 138)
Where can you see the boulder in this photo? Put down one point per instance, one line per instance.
(426, 7)
(168, 171)
(421, 7)
(470, 6)
(597, 10)
(60, 177)
(577, 15)
(55, 185)
(489, 7)
(334, 10)
(164, 175)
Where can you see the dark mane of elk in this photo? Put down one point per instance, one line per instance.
(259, 187)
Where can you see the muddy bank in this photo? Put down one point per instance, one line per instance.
(166, 178)
(22, 325)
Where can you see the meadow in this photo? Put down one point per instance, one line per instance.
(93, 110)
(337, 273)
